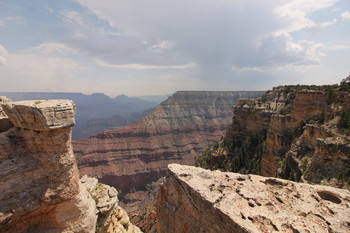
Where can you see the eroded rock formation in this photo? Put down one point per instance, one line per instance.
(197, 200)
(39, 178)
(181, 127)
(299, 133)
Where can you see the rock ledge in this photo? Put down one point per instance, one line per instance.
(198, 200)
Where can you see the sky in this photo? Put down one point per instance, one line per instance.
(157, 47)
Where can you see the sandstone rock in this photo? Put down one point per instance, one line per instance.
(41, 115)
(291, 132)
(111, 217)
(5, 123)
(181, 127)
(104, 195)
(39, 178)
(197, 200)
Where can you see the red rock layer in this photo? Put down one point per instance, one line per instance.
(176, 132)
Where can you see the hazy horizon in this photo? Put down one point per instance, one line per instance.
(155, 47)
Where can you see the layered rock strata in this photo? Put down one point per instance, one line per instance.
(299, 133)
(181, 127)
(197, 200)
(39, 177)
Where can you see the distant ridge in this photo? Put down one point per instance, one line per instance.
(96, 106)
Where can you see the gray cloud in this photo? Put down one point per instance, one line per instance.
(209, 33)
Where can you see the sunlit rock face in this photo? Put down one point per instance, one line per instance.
(300, 133)
(198, 200)
(39, 177)
(178, 130)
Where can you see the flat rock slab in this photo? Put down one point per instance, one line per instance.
(193, 197)
(41, 115)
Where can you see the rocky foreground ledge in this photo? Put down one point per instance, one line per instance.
(39, 178)
(197, 200)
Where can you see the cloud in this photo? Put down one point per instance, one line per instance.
(83, 28)
(3, 55)
(297, 13)
(72, 16)
(39, 68)
(6, 20)
(144, 67)
(315, 27)
(51, 48)
(162, 45)
(211, 34)
(345, 16)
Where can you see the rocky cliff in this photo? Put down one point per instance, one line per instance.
(132, 157)
(39, 178)
(297, 132)
(197, 200)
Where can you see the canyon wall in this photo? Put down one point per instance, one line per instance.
(301, 133)
(179, 129)
(198, 200)
(40, 185)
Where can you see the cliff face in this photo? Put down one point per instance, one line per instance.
(197, 200)
(293, 132)
(181, 127)
(39, 178)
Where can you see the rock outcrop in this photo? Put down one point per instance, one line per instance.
(132, 157)
(299, 133)
(39, 177)
(111, 217)
(197, 200)
(5, 123)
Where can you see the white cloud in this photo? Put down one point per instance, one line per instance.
(6, 20)
(52, 48)
(315, 27)
(38, 69)
(162, 45)
(3, 55)
(345, 16)
(297, 13)
(72, 16)
(81, 27)
(144, 67)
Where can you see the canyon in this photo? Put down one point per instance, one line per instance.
(300, 133)
(41, 189)
(179, 129)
